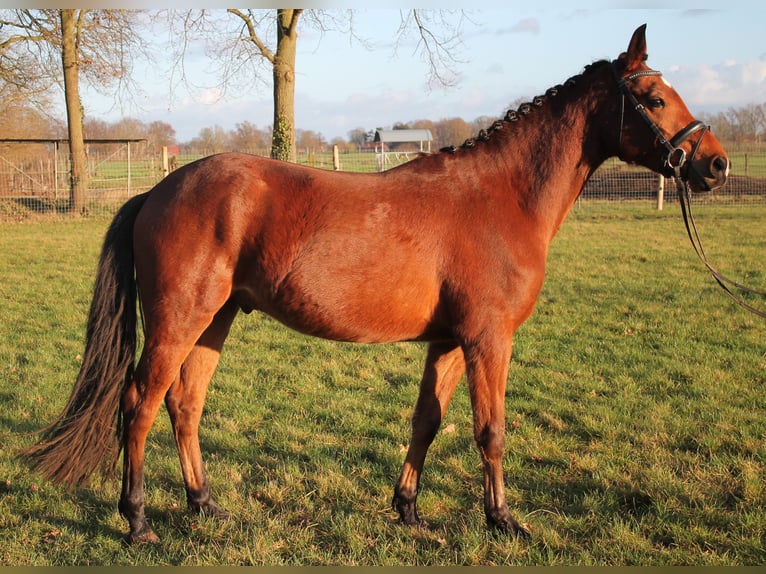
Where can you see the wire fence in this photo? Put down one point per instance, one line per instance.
(34, 177)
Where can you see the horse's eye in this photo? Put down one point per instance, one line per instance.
(656, 103)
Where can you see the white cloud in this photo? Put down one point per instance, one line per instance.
(209, 96)
(728, 84)
(526, 25)
(754, 73)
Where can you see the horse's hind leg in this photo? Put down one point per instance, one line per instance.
(170, 338)
(443, 369)
(184, 402)
(156, 371)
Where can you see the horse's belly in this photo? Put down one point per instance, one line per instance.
(356, 306)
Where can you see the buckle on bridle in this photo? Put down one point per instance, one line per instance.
(676, 158)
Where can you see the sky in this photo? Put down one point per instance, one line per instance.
(714, 57)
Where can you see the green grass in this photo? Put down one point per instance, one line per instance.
(748, 163)
(635, 410)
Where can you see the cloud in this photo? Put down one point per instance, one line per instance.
(697, 12)
(754, 74)
(524, 26)
(209, 96)
(723, 85)
(495, 69)
(531, 25)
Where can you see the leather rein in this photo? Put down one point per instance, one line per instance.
(675, 159)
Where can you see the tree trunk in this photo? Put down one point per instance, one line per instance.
(78, 178)
(283, 139)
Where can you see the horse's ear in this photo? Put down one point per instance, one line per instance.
(636, 54)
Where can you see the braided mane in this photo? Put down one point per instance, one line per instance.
(513, 116)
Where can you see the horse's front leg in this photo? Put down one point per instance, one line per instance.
(443, 369)
(487, 370)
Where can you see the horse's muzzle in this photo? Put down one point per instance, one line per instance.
(710, 177)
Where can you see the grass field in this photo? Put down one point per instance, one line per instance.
(635, 406)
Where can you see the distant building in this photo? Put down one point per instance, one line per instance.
(396, 146)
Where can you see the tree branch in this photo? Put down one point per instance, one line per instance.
(438, 50)
(78, 28)
(294, 21)
(13, 39)
(252, 34)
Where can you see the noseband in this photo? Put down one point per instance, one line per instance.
(675, 158)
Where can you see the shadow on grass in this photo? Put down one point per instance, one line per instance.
(94, 524)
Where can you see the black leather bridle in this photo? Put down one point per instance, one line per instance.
(675, 159)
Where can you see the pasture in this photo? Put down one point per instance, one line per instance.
(636, 418)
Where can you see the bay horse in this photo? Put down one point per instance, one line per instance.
(448, 249)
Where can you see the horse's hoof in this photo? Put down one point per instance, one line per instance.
(522, 533)
(143, 536)
(212, 510)
(408, 514)
(410, 519)
(506, 524)
(516, 530)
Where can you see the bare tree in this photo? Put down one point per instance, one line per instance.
(160, 134)
(74, 114)
(17, 85)
(267, 39)
(64, 46)
(720, 125)
(453, 131)
(310, 140)
(247, 137)
(749, 121)
(212, 140)
(358, 137)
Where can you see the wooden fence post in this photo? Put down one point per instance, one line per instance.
(661, 193)
(165, 167)
(335, 158)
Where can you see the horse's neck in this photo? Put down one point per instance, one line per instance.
(548, 157)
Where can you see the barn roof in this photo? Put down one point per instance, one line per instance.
(400, 136)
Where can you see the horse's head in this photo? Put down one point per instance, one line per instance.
(655, 127)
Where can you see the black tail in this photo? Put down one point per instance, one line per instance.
(85, 435)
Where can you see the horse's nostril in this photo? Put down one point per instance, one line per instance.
(720, 165)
